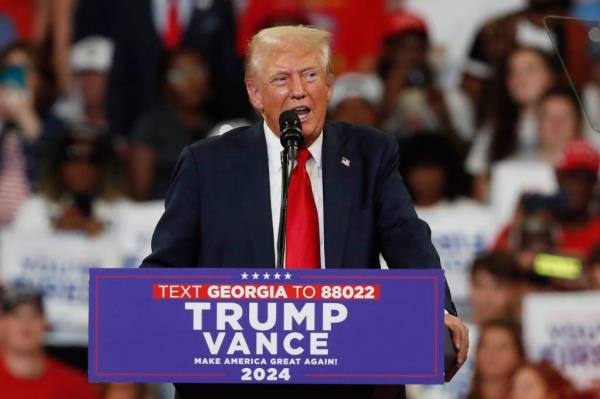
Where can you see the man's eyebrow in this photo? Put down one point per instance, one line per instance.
(279, 70)
(309, 68)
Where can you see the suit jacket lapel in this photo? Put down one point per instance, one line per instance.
(256, 200)
(338, 189)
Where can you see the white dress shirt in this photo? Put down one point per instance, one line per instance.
(315, 173)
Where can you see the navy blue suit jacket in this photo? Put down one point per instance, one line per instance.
(218, 211)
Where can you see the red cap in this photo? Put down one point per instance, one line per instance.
(401, 21)
(579, 154)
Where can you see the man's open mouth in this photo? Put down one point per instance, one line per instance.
(302, 111)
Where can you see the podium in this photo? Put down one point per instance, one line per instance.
(268, 326)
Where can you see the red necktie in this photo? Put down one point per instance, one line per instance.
(172, 34)
(302, 230)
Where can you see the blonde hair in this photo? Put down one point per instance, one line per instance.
(285, 38)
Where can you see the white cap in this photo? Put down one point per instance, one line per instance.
(357, 85)
(94, 53)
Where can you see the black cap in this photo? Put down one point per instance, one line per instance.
(15, 295)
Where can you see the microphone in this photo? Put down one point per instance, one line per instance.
(291, 139)
(291, 132)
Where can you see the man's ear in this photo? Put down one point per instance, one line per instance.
(254, 95)
(329, 82)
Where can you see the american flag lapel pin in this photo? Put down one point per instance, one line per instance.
(345, 162)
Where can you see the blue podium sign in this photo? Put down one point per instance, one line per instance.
(266, 326)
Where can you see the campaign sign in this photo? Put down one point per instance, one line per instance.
(304, 326)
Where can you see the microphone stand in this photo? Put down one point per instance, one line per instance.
(288, 158)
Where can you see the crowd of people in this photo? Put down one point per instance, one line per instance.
(499, 151)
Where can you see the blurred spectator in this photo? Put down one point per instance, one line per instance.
(577, 173)
(47, 24)
(125, 390)
(464, 111)
(438, 185)
(55, 39)
(499, 353)
(452, 37)
(85, 106)
(403, 62)
(592, 269)
(578, 224)
(20, 74)
(412, 101)
(559, 122)
(356, 99)
(525, 28)
(163, 26)
(58, 23)
(494, 294)
(511, 127)
(79, 189)
(7, 32)
(590, 96)
(20, 128)
(181, 120)
(26, 371)
(540, 381)
(536, 242)
(538, 231)
(460, 385)
(513, 178)
(449, 40)
(432, 170)
(39, 81)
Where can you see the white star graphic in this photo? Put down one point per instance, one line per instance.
(255, 276)
(266, 276)
(276, 276)
(244, 276)
(288, 276)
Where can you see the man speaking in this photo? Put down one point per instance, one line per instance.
(346, 200)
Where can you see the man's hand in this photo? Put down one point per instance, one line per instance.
(460, 337)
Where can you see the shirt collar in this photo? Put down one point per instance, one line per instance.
(274, 148)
